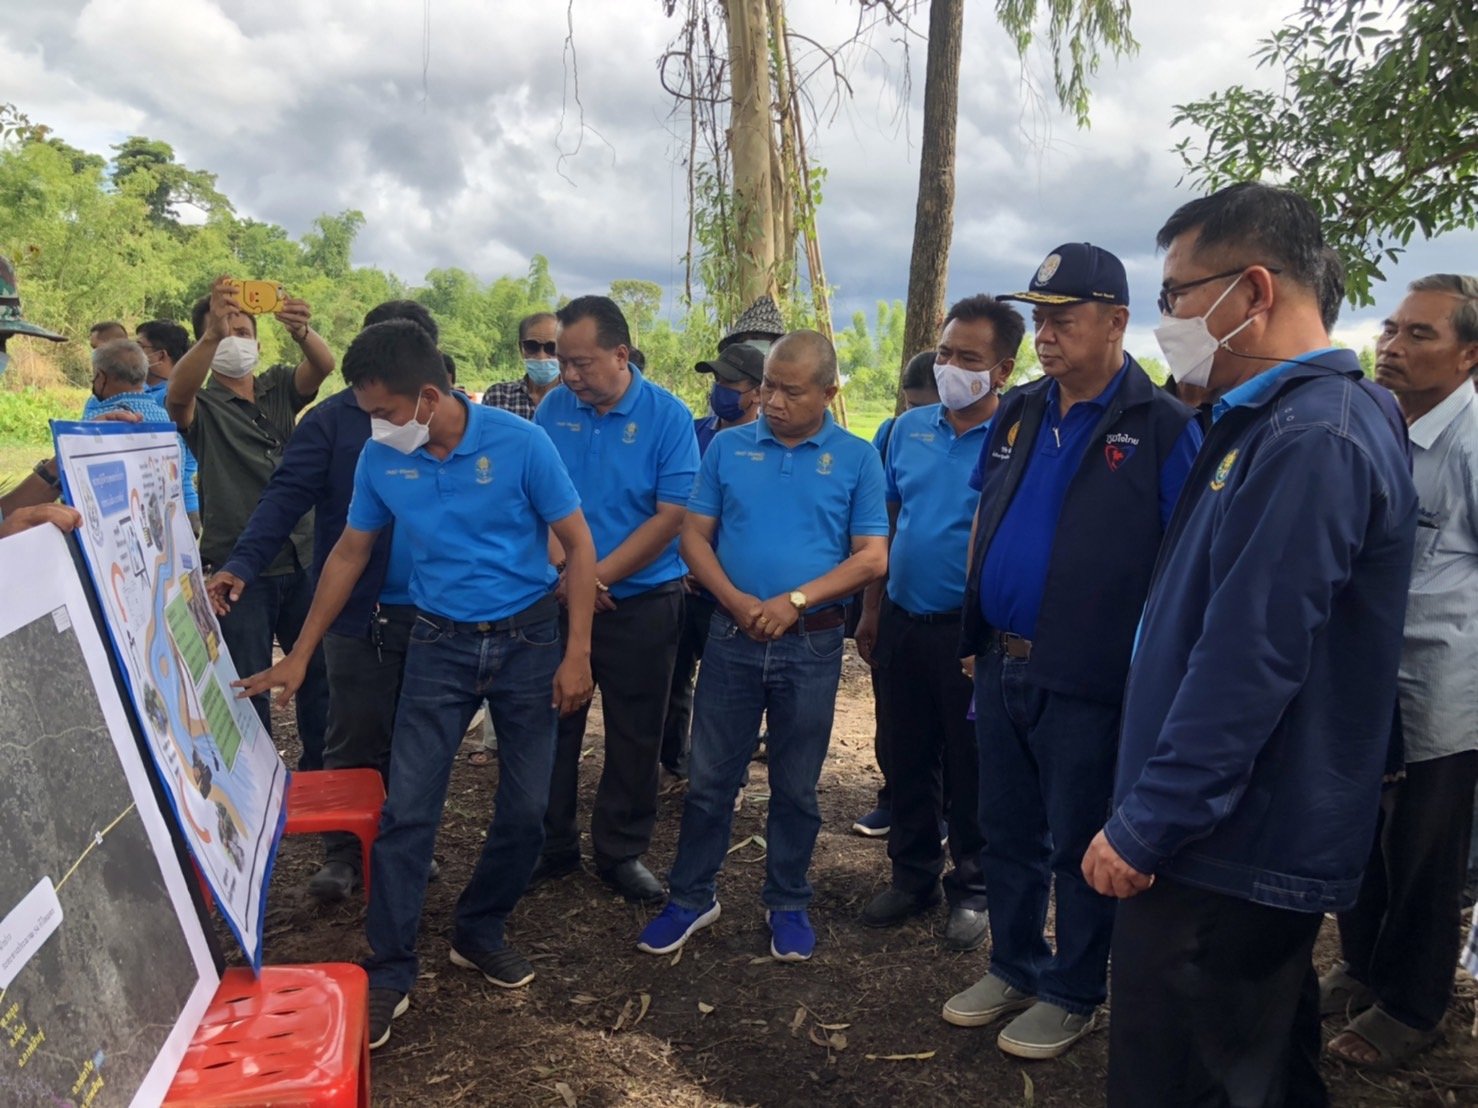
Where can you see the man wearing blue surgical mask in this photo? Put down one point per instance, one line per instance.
(540, 368)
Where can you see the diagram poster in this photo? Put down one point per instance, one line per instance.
(105, 970)
(221, 771)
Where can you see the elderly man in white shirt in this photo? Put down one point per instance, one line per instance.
(1401, 939)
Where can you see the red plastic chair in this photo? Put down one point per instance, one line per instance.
(296, 1036)
(322, 800)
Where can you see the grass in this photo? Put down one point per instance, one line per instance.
(864, 417)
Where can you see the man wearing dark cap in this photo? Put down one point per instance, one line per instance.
(1077, 482)
(733, 401)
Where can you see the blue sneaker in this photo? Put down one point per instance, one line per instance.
(673, 927)
(875, 824)
(791, 937)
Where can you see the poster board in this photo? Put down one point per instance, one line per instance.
(105, 966)
(224, 778)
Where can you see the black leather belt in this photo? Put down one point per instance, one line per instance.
(928, 618)
(545, 608)
(1012, 646)
(824, 620)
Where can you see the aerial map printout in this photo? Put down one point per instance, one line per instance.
(221, 771)
(105, 971)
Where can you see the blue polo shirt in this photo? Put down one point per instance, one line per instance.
(787, 515)
(639, 454)
(1015, 570)
(927, 468)
(477, 521)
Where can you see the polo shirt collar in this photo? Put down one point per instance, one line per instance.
(628, 398)
(1426, 430)
(941, 419)
(828, 425)
(1255, 390)
(470, 437)
(1099, 401)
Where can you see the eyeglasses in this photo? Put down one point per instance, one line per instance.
(1170, 293)
(532, 348)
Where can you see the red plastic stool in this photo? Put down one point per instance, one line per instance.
(296, 1036)
(320, 800)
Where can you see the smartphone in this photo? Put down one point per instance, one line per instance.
(260, 297)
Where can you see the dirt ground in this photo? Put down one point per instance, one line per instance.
(721, 1023)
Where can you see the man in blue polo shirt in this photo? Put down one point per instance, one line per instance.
(786, 521)
(629, 448)
(1078, 478)
(364, 651)
(912, 637)
(475, 491)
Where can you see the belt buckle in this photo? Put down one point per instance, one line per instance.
(484, 627)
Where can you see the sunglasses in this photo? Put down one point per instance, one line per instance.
(533, 347)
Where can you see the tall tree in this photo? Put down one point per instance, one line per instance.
(149, 164)
(1376, 122)
(639, 301)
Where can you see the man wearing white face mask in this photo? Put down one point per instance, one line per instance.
(1257, 717)
(1077, 481)
(237, 423)
(911, 635)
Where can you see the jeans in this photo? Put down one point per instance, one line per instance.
(448, 674)
(363, 693)
(794, 679)
(1046, 781)
(631, 650)
(277, 606)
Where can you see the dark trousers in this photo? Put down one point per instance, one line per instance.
(631, 655)
(1046, 778)
(364, 678)
(1402, 936)
(1216, 1003)
(934, 757)
(882, 742)
(276, 606)
(677, 729)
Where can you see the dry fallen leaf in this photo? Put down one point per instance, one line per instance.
(798, 1019)
(923, 1057)
(833, 1026)
(583, 998)
(625, 1012)
(835, 1041)
(646, 1002)
(566, 1093)
(704, 1008)
(676, 958)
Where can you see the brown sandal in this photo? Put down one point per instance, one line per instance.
(1394, 1042)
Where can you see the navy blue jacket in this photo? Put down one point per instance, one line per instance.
(1258, 711)
(1107, 535)
(316, 471)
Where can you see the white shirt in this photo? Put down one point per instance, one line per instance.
(1439, 661)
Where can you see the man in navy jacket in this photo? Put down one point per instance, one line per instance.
(1077, 480)
(365, 650)
(1258, 711)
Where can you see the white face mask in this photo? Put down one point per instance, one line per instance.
(959, 388)
(235, 357)
(405, 437)
(1190, 347)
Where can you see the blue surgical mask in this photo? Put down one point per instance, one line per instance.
(541, 371)
(727, 403)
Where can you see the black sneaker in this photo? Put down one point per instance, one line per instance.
(506, 968)
(334, 882)
(384, 1006)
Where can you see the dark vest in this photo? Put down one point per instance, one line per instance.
(1108, 533)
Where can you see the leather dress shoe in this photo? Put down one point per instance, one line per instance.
(552, 866)
(893, 906)
(633, 881)
(334, 882)
(966, 929)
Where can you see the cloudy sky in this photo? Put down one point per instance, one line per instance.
(465, 147)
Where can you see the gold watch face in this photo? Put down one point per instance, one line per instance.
(798, 599)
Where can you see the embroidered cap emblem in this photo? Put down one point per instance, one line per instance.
(1048, 268)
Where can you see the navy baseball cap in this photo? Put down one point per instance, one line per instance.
(1077, 273)
(737, 364)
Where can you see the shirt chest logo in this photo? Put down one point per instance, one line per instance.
(823, 464)
(405, 472)
(1118, 449)
(1003, 453)
(1223, 471)
(572, 425)
(484, 471)
(628, 434)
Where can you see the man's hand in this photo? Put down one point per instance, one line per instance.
(867, 634)
(1109, 874)
(223, 304)
(776, 616)
(286, 675)
(573, 685)
(603, 601)
(118, 415)
(224, 589)
(295, 316)
(23, 519)
(967, 666)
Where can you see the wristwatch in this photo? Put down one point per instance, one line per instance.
(798, 600)
(42, 471)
